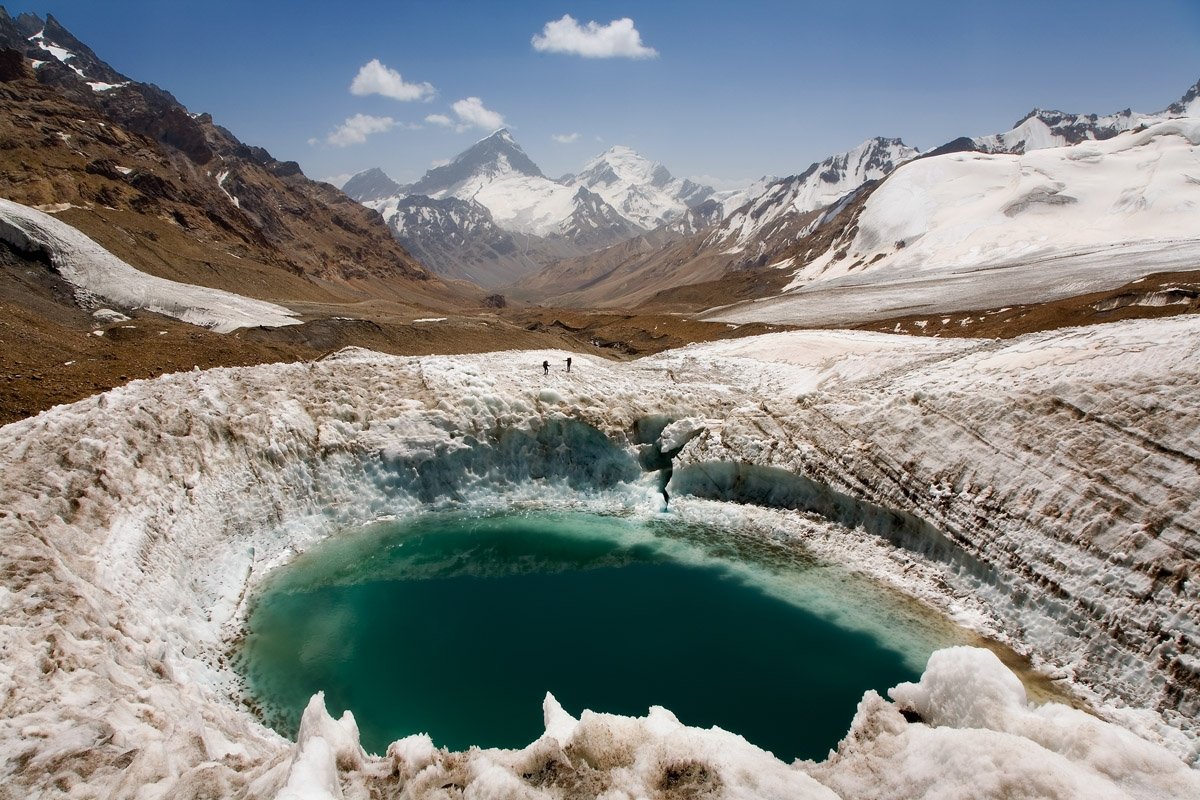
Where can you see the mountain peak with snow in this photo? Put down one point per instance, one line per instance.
(1042, 128)
(1188, 105)
(642, 190)
(496, 155)
(371, 184)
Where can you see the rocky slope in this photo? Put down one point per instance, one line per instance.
(80, 136)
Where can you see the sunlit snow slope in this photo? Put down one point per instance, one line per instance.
(1043, 489)
(968, 230)
(97, 274)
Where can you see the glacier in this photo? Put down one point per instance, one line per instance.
(1042, 491)
(1046, 224)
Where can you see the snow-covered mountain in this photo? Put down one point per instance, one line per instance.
(617, 196)
(373, 184)
(643, 191)
(1042, 128)
(1085, 203)
(733, 199)
(783, 210)
(460, 235)
(974, 230)
(594, 223)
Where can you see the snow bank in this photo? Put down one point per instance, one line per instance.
(98, 275)
(1060, 468)
(967, 230)
(978, 737)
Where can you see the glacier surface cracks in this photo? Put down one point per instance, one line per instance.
(1041, 491)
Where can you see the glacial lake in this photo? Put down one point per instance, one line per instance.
(458, 625)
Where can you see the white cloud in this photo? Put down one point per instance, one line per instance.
(472, 113)
(441, 162)
(565, 138)
(617, 39)
(356, 129)
(375, 78)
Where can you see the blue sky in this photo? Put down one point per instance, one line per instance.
(733, 91)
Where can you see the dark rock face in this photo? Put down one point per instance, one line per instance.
(13, 66)
(694, 194)
(697, 218)
(456, 238)
(371, 184)
(1180, 108)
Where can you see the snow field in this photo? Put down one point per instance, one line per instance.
(135, 524)
(968, 230)
(97, 273)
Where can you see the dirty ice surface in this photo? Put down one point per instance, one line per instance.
(1042, 490)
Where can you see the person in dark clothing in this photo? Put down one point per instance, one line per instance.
(545, 367)
(568, 363)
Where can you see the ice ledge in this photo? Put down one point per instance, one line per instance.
(978, 737)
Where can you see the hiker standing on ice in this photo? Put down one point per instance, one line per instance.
(545, 367)
(568, 363)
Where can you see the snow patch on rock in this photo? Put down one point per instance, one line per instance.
(98, 275)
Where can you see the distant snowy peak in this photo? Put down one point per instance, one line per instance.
(697, 218)
(821, 185)
(871, 160)
(371, 184)
(1188, 105)
(497, 156)
(1040, 128)
(733, 199)
(643, 191)
(970, 211)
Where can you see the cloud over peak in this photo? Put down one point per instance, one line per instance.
(356, 129)
(617, 39)
(471, 113)
(376, 78)
(565, 138)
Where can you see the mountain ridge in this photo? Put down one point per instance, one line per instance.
(618, 195)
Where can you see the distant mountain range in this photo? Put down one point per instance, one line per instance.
(491, 216)
(791, 222)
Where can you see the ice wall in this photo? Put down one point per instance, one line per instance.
(135, 523)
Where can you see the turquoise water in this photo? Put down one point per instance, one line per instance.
(457, 626)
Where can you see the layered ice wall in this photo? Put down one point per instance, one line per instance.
(1047, 484)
